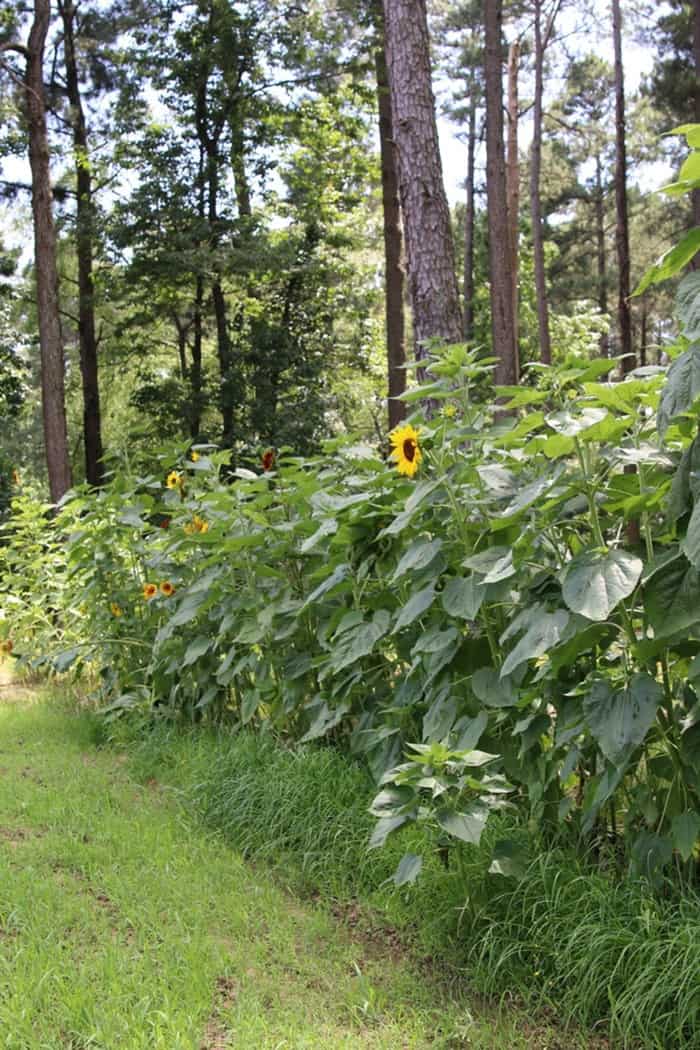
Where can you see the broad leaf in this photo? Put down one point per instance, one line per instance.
(197, 647)
(681, 389)
(593, 584)
(462, 597)
(384, 828)
(542, 636)
(418, 556)
(408, 870)
(685, 831)
(509, 858)
(620, 720)
(688, 305)
(672, 597)
(672, 261)
(468, 825)
(415, 607)
(492, 690)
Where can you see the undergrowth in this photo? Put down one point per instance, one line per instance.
(564, 936)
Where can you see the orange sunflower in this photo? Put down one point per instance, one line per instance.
(149, 591)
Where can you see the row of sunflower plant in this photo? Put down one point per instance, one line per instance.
(504, 613)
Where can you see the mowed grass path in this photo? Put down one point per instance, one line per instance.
(123, 926)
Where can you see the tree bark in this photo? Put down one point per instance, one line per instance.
(469, 215)
(621, 226)
(513, 176)
(535, 198)
(50, 336)
(429, 245)
(393, 239)
(504, 345)
(600, 249)
(92, 427)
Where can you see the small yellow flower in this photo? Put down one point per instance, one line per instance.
(189, 528)
(167, 589)
(196, 525)
(406, 451)
(149, 591)
(449, 411)
(194, 456)
(116, 609)
(174, 480)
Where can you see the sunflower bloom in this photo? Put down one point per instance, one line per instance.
(194, 456)
(149, 591)
(116, 609)
(449, 411)
(167, 589)
(174, 480)
(405, 450)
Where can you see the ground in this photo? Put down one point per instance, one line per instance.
(124, 926)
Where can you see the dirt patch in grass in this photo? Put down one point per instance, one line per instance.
(16, 836)
(216, 1036)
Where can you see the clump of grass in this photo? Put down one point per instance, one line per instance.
(606, 954)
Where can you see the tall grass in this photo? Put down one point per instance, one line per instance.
(606, 954)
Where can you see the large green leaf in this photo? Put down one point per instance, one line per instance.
(593, 583)
(671, 262)
(691, 541)
(672, 597)
(468, 825)
(681, 389)
(685, 831)
(691, 132)
(541, 636)
(408, 869)
(414, 608)
(358, 642)
(492, 690)
(418, 556)
(462, 597)
(619, 720)
(197, 647)
(688, 304)
(495, 564)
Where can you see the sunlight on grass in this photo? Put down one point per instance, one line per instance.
(123, 928)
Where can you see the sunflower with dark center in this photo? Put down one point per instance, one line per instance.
(149, 591)
(167, 589)
(406, 451)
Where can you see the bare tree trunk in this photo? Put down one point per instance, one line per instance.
(469, 222)
(426, 214)
(50, 336)
(92, 426)
(393, 238)
(504, 345)
(621, 228)
(513, 177)
(600, 249)
(535, 198)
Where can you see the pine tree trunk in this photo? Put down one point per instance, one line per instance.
(535, 198)
(504, 346)
(513, 177)
(393, 238)
(92, 426)
(50, 336)
(600, 249)
(469, 214)
(621, 226)
(429, 245)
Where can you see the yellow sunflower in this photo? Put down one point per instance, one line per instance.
(174, 480)
(116, 609)
(167, 588)
(194, 456)
(149, 591)
(405, 450)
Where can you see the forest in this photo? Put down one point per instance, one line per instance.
(350, 380)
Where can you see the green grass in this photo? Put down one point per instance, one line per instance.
(123, 926)
(566, 939)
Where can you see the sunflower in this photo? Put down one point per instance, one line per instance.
(115, 609)
(167, 589)
(174, 480)
(405, 450)
(268, 459)
(449, 411)
(149, 591)
(194, 456)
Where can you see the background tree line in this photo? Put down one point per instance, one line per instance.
(240, 220)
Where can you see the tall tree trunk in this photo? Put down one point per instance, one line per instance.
(504, 345)
(600, 249)
(92, 426)
(621, 226)
(469, 214)
(513, 177)
(50, 336)
(196, 368)
(238, 159)
(426, 214)
(393, 238)
(535, 198)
